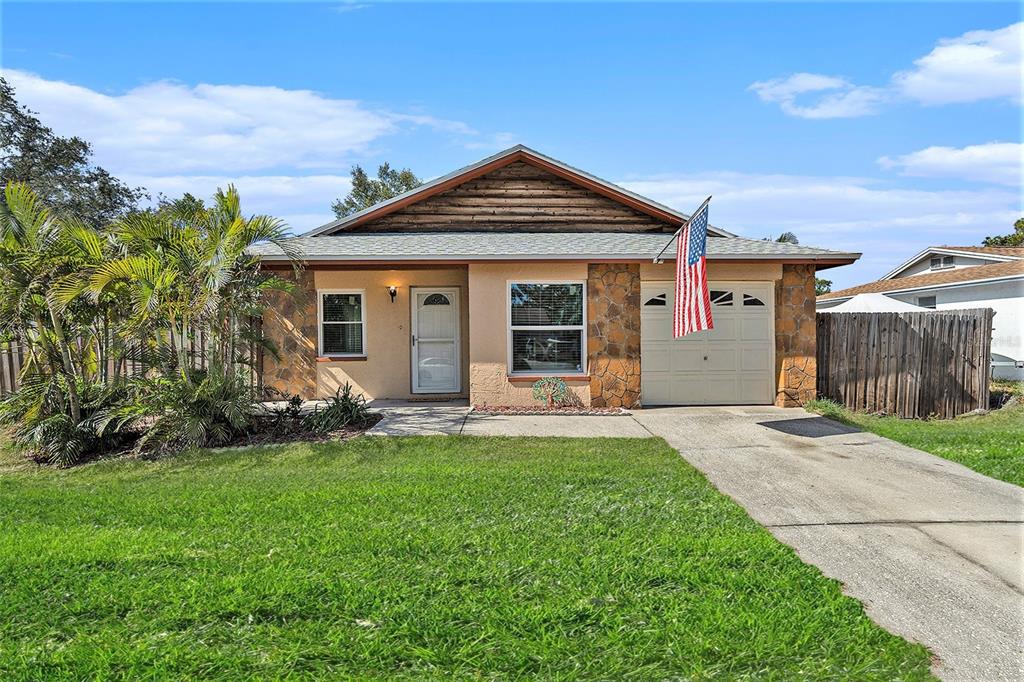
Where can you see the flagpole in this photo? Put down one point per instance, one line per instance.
(657, 259)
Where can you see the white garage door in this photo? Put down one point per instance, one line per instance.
(731, 364)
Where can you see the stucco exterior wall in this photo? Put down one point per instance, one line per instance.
(488, 331)
(795, 336)
(727, 272)
(386, 371)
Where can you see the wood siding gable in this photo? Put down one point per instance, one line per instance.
(517, 197)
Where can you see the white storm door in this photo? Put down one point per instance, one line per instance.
(435, 340)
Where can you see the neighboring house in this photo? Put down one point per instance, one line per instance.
(950, 277)
(517, 267)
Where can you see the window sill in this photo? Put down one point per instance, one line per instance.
(531, 378)
(339, 358)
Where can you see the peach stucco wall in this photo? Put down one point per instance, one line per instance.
(387, 370)
(725, 272)
(488, 330)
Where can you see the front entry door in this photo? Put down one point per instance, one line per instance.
(435, 340)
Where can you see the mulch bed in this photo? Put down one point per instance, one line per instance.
(532, 411)
(267, 433)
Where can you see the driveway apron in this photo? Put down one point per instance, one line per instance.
(931, 548)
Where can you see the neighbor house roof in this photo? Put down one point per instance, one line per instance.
(481, 246)
(929, 280)
(499, 160)
(997, 253)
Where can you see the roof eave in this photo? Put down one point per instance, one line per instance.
(830, 260)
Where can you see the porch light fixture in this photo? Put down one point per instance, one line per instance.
(392, 292)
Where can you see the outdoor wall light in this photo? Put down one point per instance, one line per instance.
(392, 292)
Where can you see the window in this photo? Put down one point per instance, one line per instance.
(926, 301)
(659, 299)
(342, 323)
(752, 300)
(721, 298)
(546, 327)
(941, 263)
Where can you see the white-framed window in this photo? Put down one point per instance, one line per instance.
(941, 263)
(547, 327)
(341, 318)
(926, 301)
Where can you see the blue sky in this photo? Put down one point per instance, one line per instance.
(870, 127)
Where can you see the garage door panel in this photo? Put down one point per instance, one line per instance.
(753, 359)
(755, 328)
(729, 364)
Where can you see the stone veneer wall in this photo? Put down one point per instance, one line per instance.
(613, 334)
(289, 321)
(795, 336)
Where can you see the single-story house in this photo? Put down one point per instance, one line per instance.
(951, 277)
(476, 284)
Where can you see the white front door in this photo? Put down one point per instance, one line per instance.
(435, 340)
(732, 364)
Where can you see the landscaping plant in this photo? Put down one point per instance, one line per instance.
(344, 408)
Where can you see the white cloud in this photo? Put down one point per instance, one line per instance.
(843, 99)
(171, 128)
(303, 202)
(886, 223)
(977, 65)
(998, 162)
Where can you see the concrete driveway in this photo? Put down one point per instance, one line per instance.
(933, 549)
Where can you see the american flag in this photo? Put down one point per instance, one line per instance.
(693, 302)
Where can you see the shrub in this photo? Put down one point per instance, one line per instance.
(38, 414)
(343, 408)
(200, 408)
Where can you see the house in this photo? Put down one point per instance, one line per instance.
(950, 277)
(477, 283)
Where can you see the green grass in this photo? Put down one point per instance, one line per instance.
(991, 444)
(419, 558)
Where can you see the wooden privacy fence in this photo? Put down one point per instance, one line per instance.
(912, 365)
(13, 356)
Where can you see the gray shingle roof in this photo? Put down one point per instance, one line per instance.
(393, 246)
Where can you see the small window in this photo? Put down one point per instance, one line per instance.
(546, 335)
(721, 298)
(926, 302)
(942, 263)
(342, 323)
(660, 299)
(437, 299)
(752, 300)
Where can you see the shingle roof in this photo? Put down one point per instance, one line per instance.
(458, 246)
(1012, 251)
(933, 279)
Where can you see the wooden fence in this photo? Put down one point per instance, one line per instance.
(13, 356)
(912, 365)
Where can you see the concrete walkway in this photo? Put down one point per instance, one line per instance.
(455, 418)
(933, 549)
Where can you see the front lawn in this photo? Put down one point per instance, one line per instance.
(991, 444)
(415, 557)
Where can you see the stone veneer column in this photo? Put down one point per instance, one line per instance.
(795, 336)
(289, 321)
(613, 334)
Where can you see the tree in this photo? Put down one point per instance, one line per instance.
(787, 238)
(58, 169)
(822, 286)
(368, 191)
(1015, 238)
